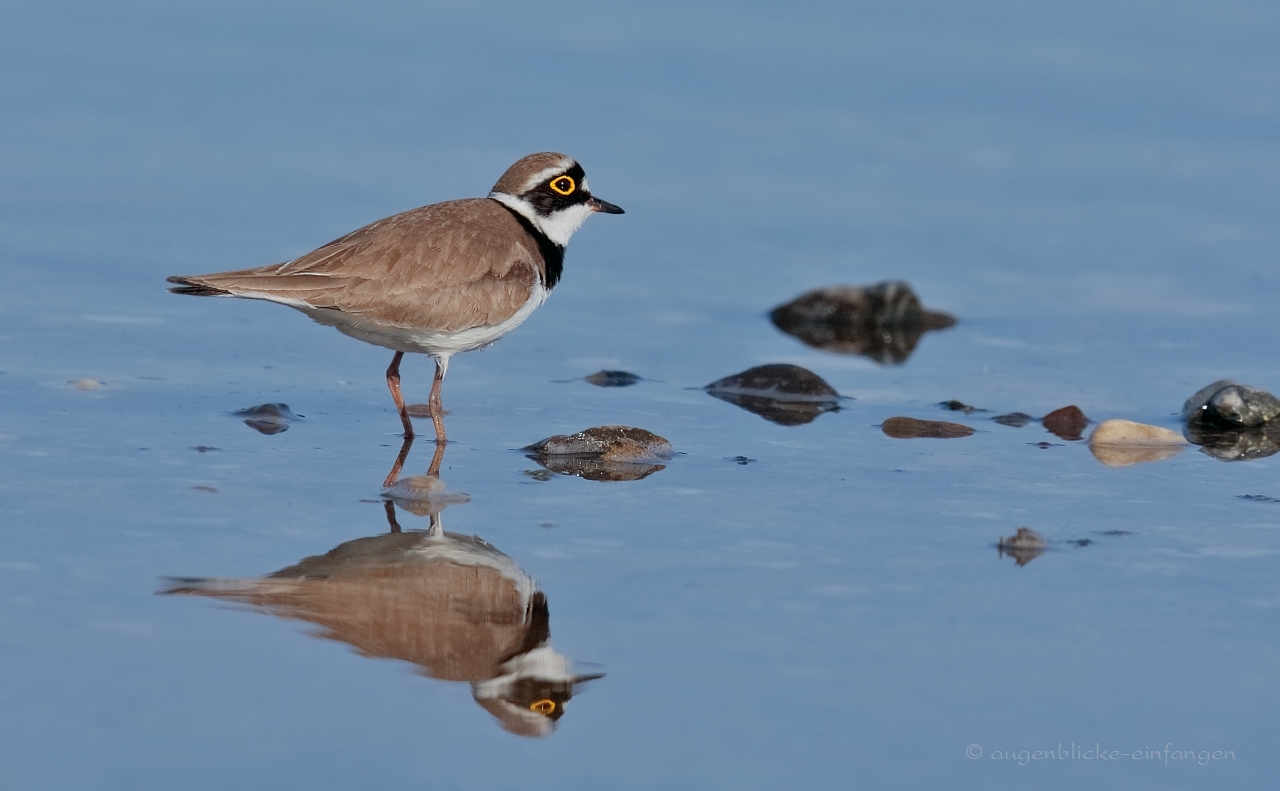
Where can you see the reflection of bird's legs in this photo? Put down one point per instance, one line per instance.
(436, 460)
(437, 408)
(391, 516)
(393, 383)
(395, 468)
(437, 526)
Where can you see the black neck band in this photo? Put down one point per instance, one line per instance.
(552, 253)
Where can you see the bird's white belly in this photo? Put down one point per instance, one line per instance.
(437, 343)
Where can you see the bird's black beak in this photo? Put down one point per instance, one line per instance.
(605, 206)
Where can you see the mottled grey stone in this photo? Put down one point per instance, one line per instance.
(1232, 404)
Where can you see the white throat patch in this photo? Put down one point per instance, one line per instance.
(558, 227)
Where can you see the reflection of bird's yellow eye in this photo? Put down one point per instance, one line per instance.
(565, 186)
(546, 706)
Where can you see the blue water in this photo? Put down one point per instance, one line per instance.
(1091, 189)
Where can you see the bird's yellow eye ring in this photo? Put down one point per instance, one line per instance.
(546, 705)
(562, 185)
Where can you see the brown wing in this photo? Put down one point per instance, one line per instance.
(445, 267)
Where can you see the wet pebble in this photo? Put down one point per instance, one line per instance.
(1014, 419)
(267, 418)
(612, 379)
(1067, 423)
(883, 321)
(1024, 546)
(204, 448)
(743, 460)
(1232, 404)
(910, 428)
(779, 392)
(603, 453)
(607, 443)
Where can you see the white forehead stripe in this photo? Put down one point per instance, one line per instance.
(543, 175)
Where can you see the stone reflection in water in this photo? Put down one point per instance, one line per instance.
(1232, 443)
(1024, 546)
(603, 453)
(780, 393)
(452, 605)
(267, 418)
(883, 322)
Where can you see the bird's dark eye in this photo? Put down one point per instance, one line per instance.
(547, 706)
(563, 185)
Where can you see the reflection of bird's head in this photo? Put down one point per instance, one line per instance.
(533, 685)
(550, 191)
(531, 695)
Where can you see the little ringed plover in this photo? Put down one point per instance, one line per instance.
(446, 278)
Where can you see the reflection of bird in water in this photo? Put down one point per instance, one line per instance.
(447, 278)
(451, 604)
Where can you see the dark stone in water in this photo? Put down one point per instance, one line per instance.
(1015, 419)
(883, 322)
(267, 418)
(1067, 423)
(910, 428)
(1261, 498)
(1234, 443)
(603, 453)
(743, 460)
(1025, 546)
(959, 406)
(1230, 404)
(780, 393)
(612, 379)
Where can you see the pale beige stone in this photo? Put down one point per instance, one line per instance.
(1120, 443)
(1127, 432)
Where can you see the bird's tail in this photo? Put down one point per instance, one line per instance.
(187, 285)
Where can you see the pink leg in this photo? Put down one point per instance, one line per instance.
(393, 383)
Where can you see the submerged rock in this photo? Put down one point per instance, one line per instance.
(1227, 403)
(1067, 423)
(603, 453)
(1120, 443)
(267, 418)
(1014, 419)
(910, 428)
(780, 393)
(612, 379)
(883, 321)
(1024, 546)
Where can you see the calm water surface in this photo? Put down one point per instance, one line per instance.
(1092, 191)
